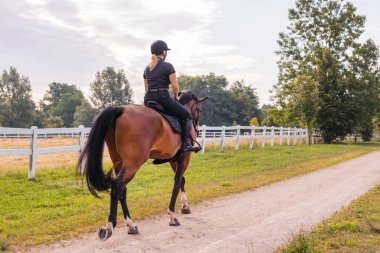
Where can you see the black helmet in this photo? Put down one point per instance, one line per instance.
(158, 47)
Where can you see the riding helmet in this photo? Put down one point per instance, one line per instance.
(158, 47)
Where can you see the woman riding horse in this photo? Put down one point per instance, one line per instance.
(157, 77)
(133, 134)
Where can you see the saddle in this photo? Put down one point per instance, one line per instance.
(173, 122)
(171, 119)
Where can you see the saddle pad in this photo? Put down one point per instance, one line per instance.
(173, 121)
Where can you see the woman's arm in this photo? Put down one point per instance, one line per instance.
(174, 83)
(146, 85)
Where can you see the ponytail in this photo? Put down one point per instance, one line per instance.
(153, 62)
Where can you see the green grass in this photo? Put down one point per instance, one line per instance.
(300, 243)
(57, 204)
(352, 229)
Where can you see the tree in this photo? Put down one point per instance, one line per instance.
(53, 122)
(84, 114)
(3, 108)
(364, 81)
(17, 106)
(65, 109)
(322, 35)
(110, 88)
(246, 102)
(254, 122)
(305, 102)
(61, 100)
(54, 94)
(376, 123)
(220, 107)
(238, 104)
(334, 119)
(273, 116)
(315, 25)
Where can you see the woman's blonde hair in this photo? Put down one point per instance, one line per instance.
(153, 62)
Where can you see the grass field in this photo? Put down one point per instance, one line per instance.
(352, 229)
(57, 204)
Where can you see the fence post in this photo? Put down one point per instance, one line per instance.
(32, 157)
(294, 136)
(222, 140)
(252, 138)
(301, 134)
(272, 136)
(81, 146)
(288, 136)
(203, 138)
(281, 129)
(263, 139)
(307, 136)
(237, 137)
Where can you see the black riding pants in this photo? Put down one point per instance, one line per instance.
(164, 99)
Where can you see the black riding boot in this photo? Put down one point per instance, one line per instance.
(186, 127)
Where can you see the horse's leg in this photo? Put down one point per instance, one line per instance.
(182, 165)
(177, 185)
(118, 186)
(116, 190)
(132, 228)
(185, 208)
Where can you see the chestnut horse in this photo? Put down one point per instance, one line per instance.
(133, 134)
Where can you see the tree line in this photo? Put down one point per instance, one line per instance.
(64, 105)
(327, 79)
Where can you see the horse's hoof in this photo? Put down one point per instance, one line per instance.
(104, 233)
(185, 210)
(175, 222)
(133, 230)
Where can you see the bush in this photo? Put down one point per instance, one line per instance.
(299, 243)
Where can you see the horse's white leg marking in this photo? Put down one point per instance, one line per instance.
(184, 199)
(129, 223)
(171, 216)
(110, 225)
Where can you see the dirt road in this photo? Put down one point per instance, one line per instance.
(257, 221)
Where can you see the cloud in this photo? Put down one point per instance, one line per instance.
(78, 37)
(46, 53)
(64, 10)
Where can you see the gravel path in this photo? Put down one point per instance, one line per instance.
(257, 221)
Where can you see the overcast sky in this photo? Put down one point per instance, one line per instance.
(70, 40)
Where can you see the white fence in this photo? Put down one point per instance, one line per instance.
(254, 134)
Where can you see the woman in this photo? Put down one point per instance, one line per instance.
(157, 77)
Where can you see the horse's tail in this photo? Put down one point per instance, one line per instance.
(96, 179)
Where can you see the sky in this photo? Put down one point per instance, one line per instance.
(68, 41)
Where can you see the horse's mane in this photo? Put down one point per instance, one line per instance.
(186, 96)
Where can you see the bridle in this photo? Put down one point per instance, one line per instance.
(187, 96)
(198, 111)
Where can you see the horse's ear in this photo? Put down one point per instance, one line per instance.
(201, 100)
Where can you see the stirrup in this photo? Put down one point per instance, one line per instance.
(188, 148)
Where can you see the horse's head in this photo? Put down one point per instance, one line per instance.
(193, 104)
